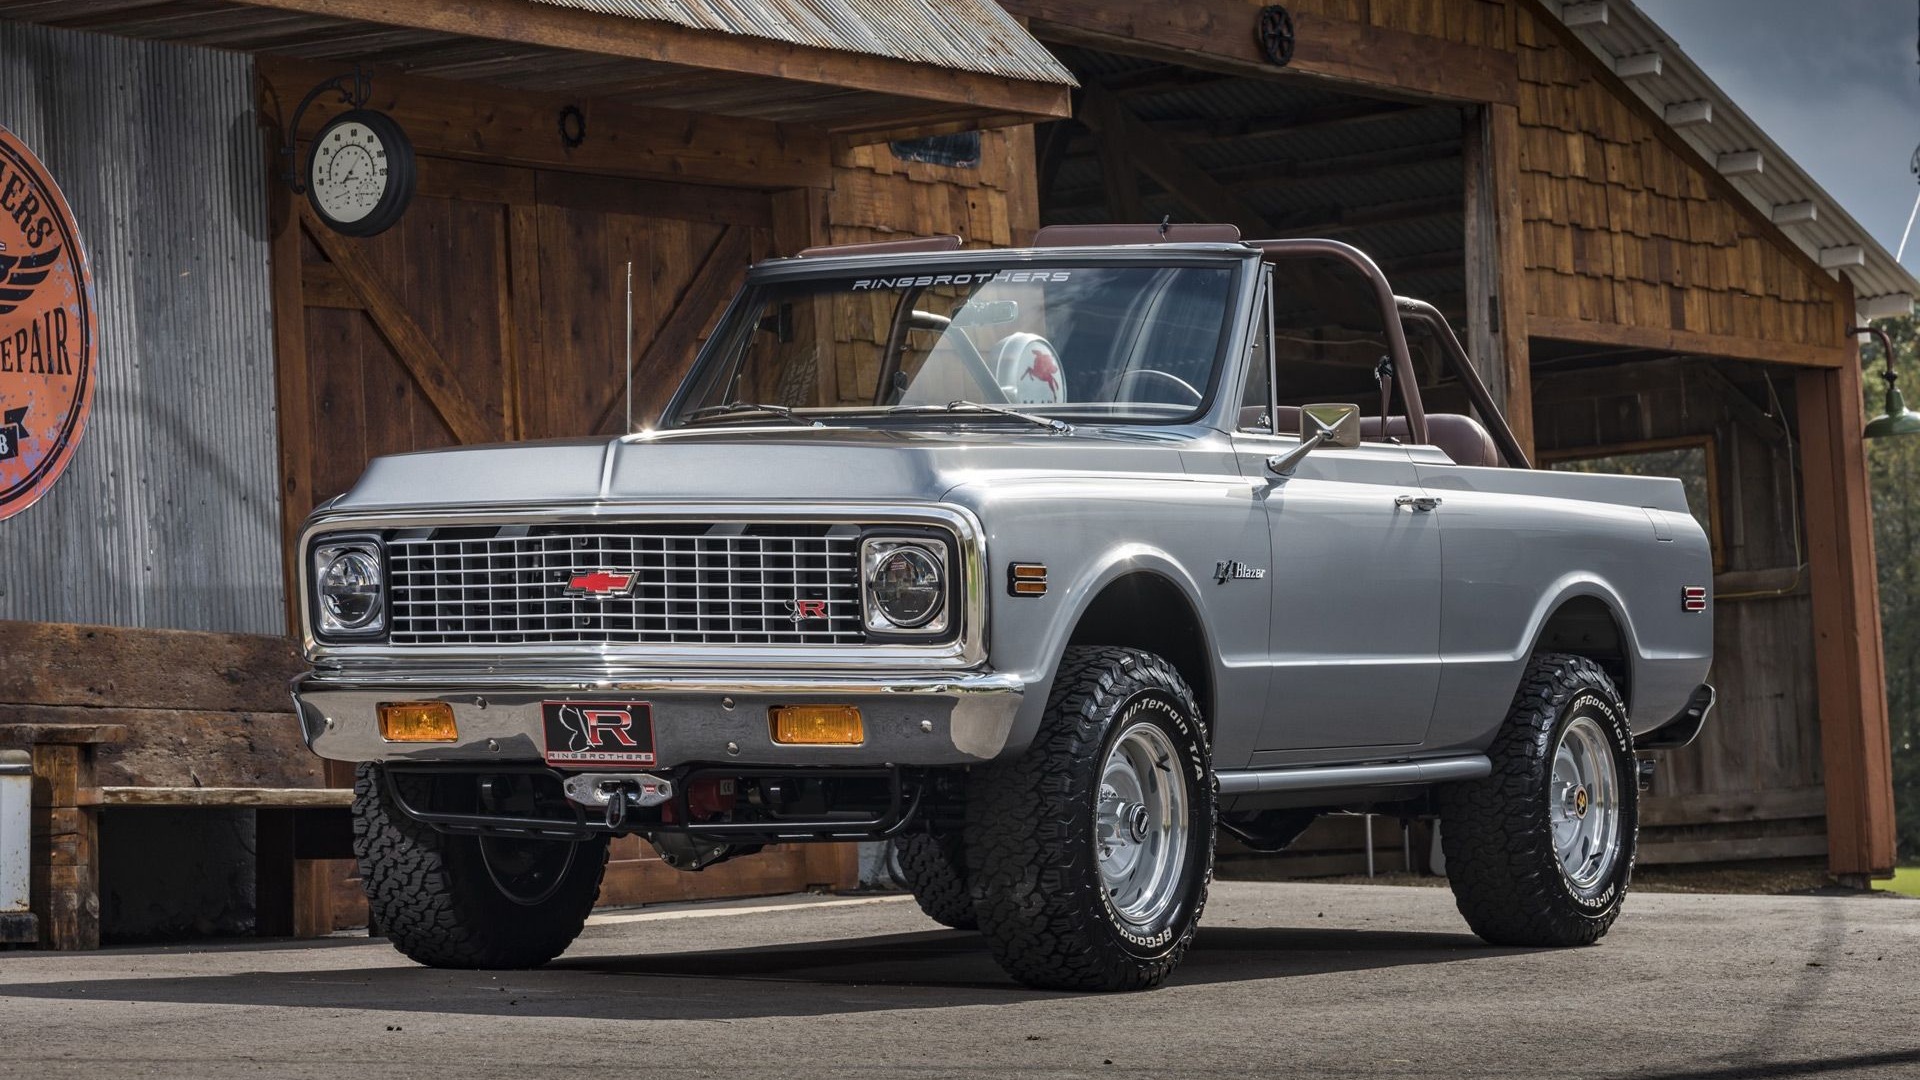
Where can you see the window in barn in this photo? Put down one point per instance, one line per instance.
(1689, 460)
(960, 151)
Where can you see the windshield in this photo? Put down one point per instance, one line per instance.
(1122, 343)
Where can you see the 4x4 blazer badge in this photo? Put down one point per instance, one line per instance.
(1234, 569)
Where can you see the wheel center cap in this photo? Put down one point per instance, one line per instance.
(1138, 822)
(1581, 800)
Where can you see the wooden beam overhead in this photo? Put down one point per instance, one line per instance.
(1209, 200)
(592, 33)
(1344, 167)
(1280, 173)
(1330, 221)
(476, 122)
(1598, 332)
(1218, 35)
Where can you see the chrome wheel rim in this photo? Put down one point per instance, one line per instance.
(527, 872)
(1584, 805)
(1140, 825)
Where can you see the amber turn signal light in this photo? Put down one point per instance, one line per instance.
(816, 725)
(1026, 579)
(417, 721)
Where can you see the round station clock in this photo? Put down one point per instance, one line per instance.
(360, 173)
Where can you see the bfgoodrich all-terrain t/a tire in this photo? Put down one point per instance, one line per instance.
(1540, 852)
(463, 902)
(935, 868)
(1089, 856)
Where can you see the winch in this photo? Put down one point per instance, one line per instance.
(617, 793)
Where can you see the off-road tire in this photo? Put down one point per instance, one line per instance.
(1032, 862)
(1496, 833)
(935, 868)
(430, 892)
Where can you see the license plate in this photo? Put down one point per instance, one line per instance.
(589, 733)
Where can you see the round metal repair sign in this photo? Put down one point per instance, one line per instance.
(49, 330)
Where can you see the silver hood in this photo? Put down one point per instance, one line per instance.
(759, 463)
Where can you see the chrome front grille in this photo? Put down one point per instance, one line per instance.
(712, 584)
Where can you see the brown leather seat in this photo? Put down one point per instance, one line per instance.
(1459, 437)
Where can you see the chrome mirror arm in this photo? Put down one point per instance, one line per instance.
(1284, 464)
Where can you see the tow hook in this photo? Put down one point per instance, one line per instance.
(1644, 770)
(617, 793)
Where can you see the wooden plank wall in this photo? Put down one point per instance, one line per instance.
(1631, 238)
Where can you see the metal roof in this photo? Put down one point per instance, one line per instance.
(968, 35)
(1635, 48)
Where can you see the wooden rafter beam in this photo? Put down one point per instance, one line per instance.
(1219, 35)
(1345, 167)
(1331, 221)
(1209, 200)
(587, 32)
(1159, 79)
(1271, 174)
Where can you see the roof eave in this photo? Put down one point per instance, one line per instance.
(1629, 43)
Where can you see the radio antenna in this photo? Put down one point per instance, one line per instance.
(629, 339)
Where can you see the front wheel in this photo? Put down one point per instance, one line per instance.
(1089, 857)
(1540, 852)
(463, 901)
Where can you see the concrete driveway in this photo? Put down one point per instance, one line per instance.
(1287, 979)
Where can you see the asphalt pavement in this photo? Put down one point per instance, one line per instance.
(1286, 980)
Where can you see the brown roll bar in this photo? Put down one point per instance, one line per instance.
(1425, 314)
(1389, 314)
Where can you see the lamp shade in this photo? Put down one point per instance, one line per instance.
(1898, 420)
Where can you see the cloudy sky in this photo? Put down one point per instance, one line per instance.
(1834, 82)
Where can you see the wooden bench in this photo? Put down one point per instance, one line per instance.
(120, 720)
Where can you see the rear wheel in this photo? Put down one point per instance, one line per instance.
(1089, 857)
(465, 901)
(934, 867)
(1540, 852)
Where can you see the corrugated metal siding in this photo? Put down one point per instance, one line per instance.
(971, 35)
(169, 514)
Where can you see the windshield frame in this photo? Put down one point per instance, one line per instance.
(736, 320)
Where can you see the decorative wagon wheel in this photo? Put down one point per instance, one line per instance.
(1274, 32)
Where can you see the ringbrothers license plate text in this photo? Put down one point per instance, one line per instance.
(587, 733)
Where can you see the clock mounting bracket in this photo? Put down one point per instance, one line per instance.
(354, 88)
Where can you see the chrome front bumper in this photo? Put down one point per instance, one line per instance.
(706, 717)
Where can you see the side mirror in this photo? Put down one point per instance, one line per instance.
(1322, 425)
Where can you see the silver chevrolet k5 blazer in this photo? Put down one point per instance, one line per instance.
(1040, 565)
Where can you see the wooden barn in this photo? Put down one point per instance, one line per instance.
(1643, 276)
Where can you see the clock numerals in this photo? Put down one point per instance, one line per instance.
(360, 173)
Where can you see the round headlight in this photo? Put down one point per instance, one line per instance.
(350, 589)
(907, 586)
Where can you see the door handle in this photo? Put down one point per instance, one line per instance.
(1418, 502)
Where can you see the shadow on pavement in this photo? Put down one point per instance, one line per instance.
(933, 969)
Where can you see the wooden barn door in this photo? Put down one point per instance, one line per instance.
(494, 311)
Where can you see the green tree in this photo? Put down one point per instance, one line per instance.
(1894, 464)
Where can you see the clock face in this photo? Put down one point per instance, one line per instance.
(348, 171)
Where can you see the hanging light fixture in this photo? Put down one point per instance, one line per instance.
(1898, 419)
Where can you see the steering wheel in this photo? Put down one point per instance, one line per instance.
(1112, 391)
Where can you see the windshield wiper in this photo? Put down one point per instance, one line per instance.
(749, 406)
(1058, 427)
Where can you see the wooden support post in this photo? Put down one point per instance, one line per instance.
(66, 829)
(1508, 321)
(1484, 345)
(1849, 665)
